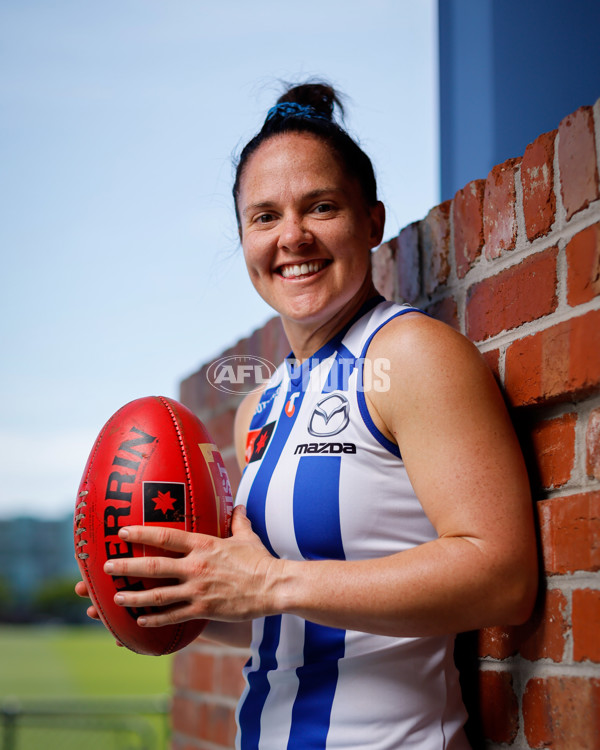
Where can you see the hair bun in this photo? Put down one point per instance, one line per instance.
(320, 96)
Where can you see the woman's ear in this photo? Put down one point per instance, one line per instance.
(377, 213)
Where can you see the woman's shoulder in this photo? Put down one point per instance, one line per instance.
(430, 366)
(414, 340)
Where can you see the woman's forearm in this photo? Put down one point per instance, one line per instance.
(237, 634)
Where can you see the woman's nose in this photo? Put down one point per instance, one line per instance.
(293, 233)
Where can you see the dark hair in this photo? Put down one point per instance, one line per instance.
(314, 115)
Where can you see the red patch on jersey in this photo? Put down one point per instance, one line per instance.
(257, 442)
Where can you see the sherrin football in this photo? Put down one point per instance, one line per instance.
(153, 463)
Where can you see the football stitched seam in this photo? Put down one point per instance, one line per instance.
(183, 450)
(167, 404)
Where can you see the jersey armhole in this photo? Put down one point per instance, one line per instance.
(360, 394)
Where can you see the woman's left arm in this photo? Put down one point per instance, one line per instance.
(461, 453)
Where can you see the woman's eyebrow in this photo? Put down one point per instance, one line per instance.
(256, 206)
(311, 195)
(322, 191)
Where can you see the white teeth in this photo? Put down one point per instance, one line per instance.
(301, 270)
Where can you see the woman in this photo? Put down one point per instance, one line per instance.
(384, 504)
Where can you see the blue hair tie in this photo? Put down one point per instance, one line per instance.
(293, 109)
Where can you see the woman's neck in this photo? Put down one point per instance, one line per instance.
(307, 338)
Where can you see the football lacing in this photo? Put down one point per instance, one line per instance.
(81, 529)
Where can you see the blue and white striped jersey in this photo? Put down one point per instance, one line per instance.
(322, 482)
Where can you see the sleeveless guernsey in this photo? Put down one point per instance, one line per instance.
(321, 482)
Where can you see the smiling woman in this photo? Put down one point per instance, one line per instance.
(384, 505)
(307, 234)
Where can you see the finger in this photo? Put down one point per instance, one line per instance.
(93, 613)
(81, 589)
(160, 596)
(240, 521)
(174, 540)
(172, 616)
(143, 567)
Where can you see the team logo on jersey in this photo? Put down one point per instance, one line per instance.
(290, 407)
(330, 416)
(257, 442)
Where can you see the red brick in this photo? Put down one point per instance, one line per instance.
(586, 625)
(537, 178)
(406, 248)
(384, 270)
(467, 211)
(554, 445)
(445, 310)
(218, 724)
(435, 247)
(518, 295)
(577, 161)
(499, 214)
(592, 442)
(492, 358)
(230, 681)
(561, 363)
(202, 672)
(562, 713)
(197, 393)
(583, 266)
(498, 706)
(543, 636)
(272, 342)
(181, 669)
(498, 642)
(184, 715)
(180, 743)
(246, 352)
(220, 429)
(570, 533)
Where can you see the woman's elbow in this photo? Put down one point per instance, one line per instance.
(520, 590)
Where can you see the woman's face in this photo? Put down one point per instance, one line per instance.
(306, 229)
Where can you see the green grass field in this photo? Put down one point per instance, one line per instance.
(45, 662)
(80, 668)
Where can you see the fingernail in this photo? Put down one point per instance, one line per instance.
(124, 533)
(141, 621)
(119, 598)
(108, 567)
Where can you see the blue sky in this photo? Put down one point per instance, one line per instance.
(121, 270)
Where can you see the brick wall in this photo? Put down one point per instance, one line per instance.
(513, 261)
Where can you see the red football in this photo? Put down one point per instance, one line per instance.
(153, 463)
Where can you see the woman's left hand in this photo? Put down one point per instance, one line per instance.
(218, 579)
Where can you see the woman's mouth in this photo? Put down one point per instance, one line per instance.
(297, 271)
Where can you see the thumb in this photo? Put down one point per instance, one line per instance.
(240, 521)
